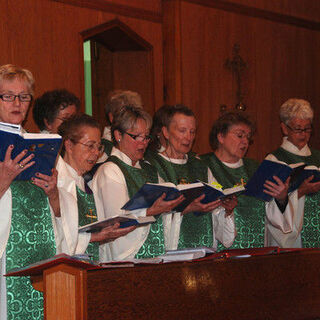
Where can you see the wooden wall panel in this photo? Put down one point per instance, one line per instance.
(282, 63)
(45, 38)
(303, 9)
(151, 5)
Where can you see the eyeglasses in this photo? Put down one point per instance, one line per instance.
(299, 130)
(92, 146)
(24, 97)
(139, 138)
(242, 135)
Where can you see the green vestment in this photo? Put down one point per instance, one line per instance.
(250, 212)
(135, 179)
(195, 229)
(31, 239)
(88, 214)
(310, 234)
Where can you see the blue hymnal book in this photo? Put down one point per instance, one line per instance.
(306, 172)
(213, 193)
(150, 192)
(45, 148)
(266, 171)
(124, 221)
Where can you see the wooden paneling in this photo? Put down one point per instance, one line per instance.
(44, 36)
(135, 8)
(303, 9)
(282, 63)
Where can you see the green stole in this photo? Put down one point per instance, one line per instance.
(135, 179)
(195, 229)
(108, 145)
(310, 234)
(31, 239)
(250, 212)
(87, 212)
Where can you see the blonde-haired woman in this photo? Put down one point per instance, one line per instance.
(27, 230)
(121, 177)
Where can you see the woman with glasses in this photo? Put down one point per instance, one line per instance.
(296, 117)
(54, 107)
(199, 224)
(28, 232)
(121, 177)
(82, 147)
(229, 138)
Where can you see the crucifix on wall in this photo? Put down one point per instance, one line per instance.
(237, 66)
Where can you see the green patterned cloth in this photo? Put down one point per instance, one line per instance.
(135, 179)
(88, 214)
(310, 234)
(31, 239)
(196, 229)
(250, 212)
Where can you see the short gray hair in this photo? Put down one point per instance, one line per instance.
(295, 108)
(126, 119)
(120, 98)
(9, 72)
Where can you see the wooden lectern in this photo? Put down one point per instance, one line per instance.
(246, 285)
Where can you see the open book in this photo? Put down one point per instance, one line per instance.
(150, 192)
(44, 146)
(125, 221)
(267, 170)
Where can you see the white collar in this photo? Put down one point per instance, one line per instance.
(176, 161)
(290, 147)
(123, 157)
(235, 165)
(68, 175)
(107, 133)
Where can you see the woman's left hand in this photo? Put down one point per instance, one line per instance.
(277, 189)
(229, 203)
(49, 185)
(197, 206)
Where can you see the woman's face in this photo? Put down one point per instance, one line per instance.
(234, 144)
(298, 131)
(83, 155)
(180, 135)
(13, 112)
(63, 115)
(134, 149)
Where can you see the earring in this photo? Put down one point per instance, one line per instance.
(118, 140)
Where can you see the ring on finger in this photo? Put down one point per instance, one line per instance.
(21, 165)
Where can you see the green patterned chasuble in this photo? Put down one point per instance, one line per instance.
(195, 229)
(135, 179)
(250, 212)
(88, 214)
(310, 234)
(108, 145)
(31, 239)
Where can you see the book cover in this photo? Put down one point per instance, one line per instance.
(45, 147)
(125, 221)
(215, 192)
(266, 171)
(150, 192)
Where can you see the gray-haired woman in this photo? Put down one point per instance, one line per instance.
(296, 116)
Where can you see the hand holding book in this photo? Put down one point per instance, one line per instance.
(162, 206)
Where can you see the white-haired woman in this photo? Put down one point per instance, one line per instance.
(296, 117)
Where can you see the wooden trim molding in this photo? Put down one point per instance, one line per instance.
(123, 10)
(258, 13)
